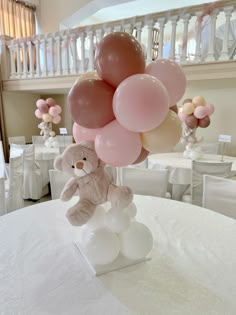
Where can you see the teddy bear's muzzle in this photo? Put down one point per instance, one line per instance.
(79, 165)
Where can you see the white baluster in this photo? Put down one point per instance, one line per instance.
(162, 22)
(74, 68)
(139, 26)
(197, 57)
(117, 28)
(51, 51)
(82, 38)
(58, 52)
(18, 61)
(183, 57)
(149, 41)
(211, 51)
(38, 67)
(24, 59)
(225, 49)
(174, 20)
(31, 58)
(45, 68)
(66, 59)
(99, 35)
(12, 61)
(91, 51)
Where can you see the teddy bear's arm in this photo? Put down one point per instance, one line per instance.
(69, 189)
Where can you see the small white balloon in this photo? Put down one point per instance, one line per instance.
(98, 218)
(50, 139)
(131, 210)
(47, 144)
(101, 246)
(55, 144)
(117, 220)
(136, 242)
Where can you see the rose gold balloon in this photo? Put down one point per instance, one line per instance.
(118, 56)
(191, 121)
(174, 108)
(164, 137)
(90, 103)
(204, 122)
(142, 156)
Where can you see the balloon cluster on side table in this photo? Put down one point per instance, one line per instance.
(194, 113)
(49, 112)
(128, 110)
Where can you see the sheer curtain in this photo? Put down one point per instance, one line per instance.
(3, 131)
(17, 19)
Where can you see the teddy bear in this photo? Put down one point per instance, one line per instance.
(45, 129)
(88, 176)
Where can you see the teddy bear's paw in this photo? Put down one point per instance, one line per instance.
(65, 196)
(80, 213)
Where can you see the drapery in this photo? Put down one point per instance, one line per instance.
(17, 19)
(3, 132)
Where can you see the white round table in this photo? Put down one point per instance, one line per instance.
(192, 270)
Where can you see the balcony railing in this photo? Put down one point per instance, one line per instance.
(173, 34)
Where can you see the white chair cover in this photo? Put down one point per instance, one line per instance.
(210, 147)
(145, 181)
(219, 194)
(17, 140)
(57, 182)
(38, 140)
(15, 194)
(2, 196)
(33, 182)
(199, 169)
(64, 141)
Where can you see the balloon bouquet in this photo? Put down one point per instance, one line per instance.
(49, 112)
(194, 113)
(128, 109)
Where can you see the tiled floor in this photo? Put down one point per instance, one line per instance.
(43, 199)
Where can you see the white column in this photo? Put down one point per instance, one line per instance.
(198, 39)
(58, 52)
(66, 59)
(24, 59)
(74, 68)
(149, 41)
(117, 28)
(51, 52)
(31, 58)
(38, 67)
(211, 43)
(162, 22)
(225, 49)
(18, 61)
(174, 20)
(139, 26)
(12, 61)
(91, 51)
(183, 57)
(82, 38)
(45, 67)
(99, 34)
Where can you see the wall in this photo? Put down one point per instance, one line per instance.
(19, 114)
(222, 94)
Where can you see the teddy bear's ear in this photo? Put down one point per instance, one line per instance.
(58, 163)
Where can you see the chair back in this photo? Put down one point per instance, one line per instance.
(17, 149)
(15, 193)
(145, 181)
(38, 140)
(65, 140)
(57, 182)
(17, 140)
(219, 194)
(199, 168)
(2, 196)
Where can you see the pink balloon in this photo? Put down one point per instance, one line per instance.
(38, 114)
(40, 102)
(210, 109)
(56, 119)
(50, 102)
(140, 103)
(182, 116)
(58, 107)
(116, 145)
(53, 111)
(171, 75)
(43, 108)
(83, 134)
(200, 112)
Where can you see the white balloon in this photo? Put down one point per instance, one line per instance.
(116, 220)
(47, 144)
(55, 144)
(131, 210)
(98, 218)
(101, 246)
(136, 242)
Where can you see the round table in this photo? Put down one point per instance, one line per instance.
(192, 270)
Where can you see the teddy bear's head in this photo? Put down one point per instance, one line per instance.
(78, 159)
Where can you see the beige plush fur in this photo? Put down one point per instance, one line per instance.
(88, 176)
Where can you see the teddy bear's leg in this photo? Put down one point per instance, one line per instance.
(81, 212)
(119, 196)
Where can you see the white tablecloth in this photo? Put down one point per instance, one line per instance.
(192, 270)
(44, 153)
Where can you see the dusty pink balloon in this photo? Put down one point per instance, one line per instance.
(38, 114)
(50, 101)
(40, 102)
(204, 122)
(118, 56)
(59, 109)
(191, 121)
(210, 109)
(200, 112)
(43, 108)
(116, 145)
(53, 111)
(83, 134)
(56, 119)
(140, 103)
(171, 75)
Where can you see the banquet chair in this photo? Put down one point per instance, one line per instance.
(38, 140)
(58, 180)
(14, 196)
(17, 140)
(2, 196)
(145, 181)
(65, 140)
(199, 168)
(219, 194)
